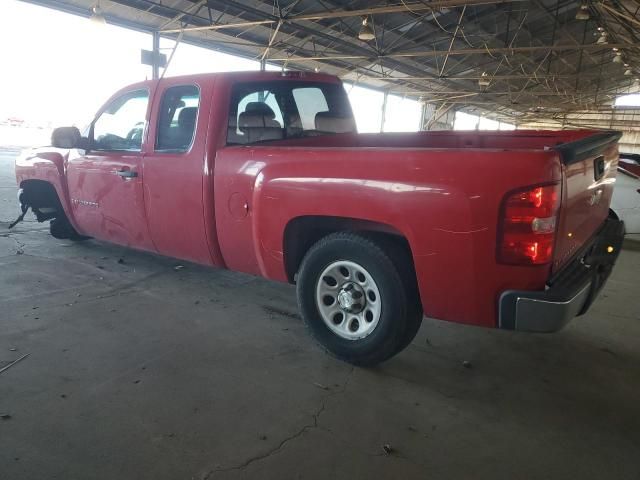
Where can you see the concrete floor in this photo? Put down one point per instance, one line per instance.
(141, 371)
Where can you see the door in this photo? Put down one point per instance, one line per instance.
(105, 183)
(175, 171)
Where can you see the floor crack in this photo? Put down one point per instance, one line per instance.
(19, 245)
(273, 451)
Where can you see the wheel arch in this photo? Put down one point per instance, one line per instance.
(40, 196)
(302, 232)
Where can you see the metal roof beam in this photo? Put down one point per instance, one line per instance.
(467, 51)
(404, 7)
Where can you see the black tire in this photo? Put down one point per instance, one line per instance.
(397, 323)
(61, 229)
(404, 263)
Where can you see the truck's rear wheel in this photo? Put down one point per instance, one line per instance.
(355, 300)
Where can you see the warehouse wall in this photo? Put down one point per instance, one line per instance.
(630, 142)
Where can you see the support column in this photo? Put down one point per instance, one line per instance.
(384, 111)
(423, 115)
(155, 66)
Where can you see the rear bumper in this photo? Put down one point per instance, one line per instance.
(571, 292)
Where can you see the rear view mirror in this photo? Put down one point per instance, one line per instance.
(66, 137)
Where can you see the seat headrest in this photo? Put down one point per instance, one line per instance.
(330, 122)
(187, 117)
(259, 108)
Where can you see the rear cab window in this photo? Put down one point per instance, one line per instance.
(266, 111)
(177, 118)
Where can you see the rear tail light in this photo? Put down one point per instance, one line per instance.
(528, 225)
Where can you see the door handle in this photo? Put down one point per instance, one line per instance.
(126, 173)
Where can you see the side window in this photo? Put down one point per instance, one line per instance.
(177, 118)
(257, 117)
(310, 101)
(121, 125)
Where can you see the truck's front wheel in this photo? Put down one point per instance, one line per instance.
(61, 229)
(355, 300)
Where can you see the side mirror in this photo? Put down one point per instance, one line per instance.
(66, 137)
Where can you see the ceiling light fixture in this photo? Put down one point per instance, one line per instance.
(628, 72)
(618, 57)
(583, 12)
(602, 39)
(97, 16)
(484, 80)
(366, 32)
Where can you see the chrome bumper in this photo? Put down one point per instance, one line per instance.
(571, 293)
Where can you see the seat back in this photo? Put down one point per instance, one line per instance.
(258, 123)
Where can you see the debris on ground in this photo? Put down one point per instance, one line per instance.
(178, 267)
(466, 364)
(19, 219)
(610, 352)
(387, 449)
(121, 261)
(262, 437)
(7, 367)
(319, 385)
(12, 349)
(411, 428)
(5, 416)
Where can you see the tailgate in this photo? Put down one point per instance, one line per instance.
(589, 166)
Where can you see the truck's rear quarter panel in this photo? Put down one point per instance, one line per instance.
(445, 202)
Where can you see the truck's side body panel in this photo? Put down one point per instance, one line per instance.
(450, 225)
(173, 184)
(104, 205)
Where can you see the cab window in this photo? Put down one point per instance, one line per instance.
(120, 126)
(266, 111)
(177, 118)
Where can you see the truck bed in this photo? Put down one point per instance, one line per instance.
(586, 193)
(512, 140)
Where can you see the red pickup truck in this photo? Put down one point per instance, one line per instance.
(264, 173)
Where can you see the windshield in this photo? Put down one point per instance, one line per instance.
(265, 111)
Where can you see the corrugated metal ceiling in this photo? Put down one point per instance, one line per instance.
(520, 59)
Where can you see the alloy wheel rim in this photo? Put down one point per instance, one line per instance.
(348, 300)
